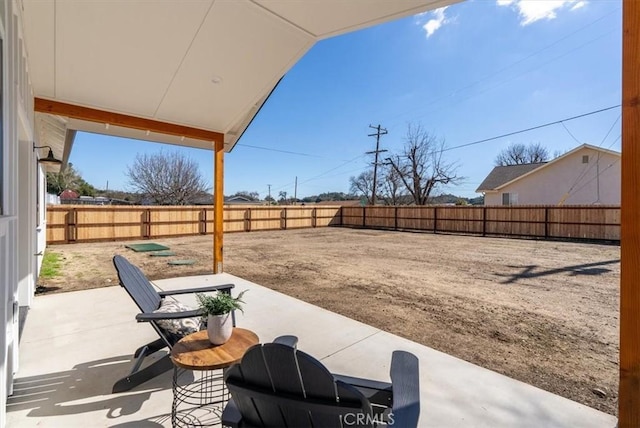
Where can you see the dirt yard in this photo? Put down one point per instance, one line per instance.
(545, 313)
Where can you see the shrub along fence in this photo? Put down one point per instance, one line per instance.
(589, 222)
(81, 223)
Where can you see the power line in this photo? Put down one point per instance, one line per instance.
(502, 82)
(569, 132)
(531, 129)
(590, 167)
(333, 169)
(281, 151)
(609, 132)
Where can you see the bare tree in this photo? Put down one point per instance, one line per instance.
(421, 166)
(518, 154)
(362, 185)
(167, 178)
(391, 186)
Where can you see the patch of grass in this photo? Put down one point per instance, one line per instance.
(51, 265)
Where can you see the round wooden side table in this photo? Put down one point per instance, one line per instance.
(198, 401)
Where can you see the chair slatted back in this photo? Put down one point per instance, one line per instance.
(137, 285)
(276, 385)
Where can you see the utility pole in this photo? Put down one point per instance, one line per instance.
(379, 131)
(269, 186)
(295, 192)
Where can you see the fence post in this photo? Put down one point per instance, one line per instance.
(203, 221)
(314, 217)
(146, 224)
(341, 218)
(435, 219)
(72, 219)
(546, 222)
(484, 221)
(247, 220)
(364, 216)
(283, 224)
(395, 218)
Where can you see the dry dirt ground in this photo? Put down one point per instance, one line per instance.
(543, 312)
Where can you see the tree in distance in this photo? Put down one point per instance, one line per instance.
(166, 178)
(363, 184)
(518, 154)
(420, 166)
(68, 178)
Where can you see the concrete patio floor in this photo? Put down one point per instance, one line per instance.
(76, 345)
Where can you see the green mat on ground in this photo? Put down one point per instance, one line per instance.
(162, 254)
(181, 262)
(146, 247)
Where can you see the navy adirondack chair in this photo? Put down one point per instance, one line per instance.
(149, 300)
(276, 385)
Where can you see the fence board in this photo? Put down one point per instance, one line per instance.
(83, 223)
(69, 223)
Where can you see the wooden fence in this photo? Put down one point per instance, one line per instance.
(81, 223)
(593, 222)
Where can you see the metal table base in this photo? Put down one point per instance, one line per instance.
(199, 398)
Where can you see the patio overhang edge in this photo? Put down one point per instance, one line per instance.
(74, 111)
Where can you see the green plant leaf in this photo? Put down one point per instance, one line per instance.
(220, 303)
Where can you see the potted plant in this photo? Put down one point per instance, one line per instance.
(217, 310)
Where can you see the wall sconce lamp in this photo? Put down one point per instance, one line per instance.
(50, 159)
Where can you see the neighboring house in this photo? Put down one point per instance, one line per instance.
(69, 194)
(241, 200)
(586, 175)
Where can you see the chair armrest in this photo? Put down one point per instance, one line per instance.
(406, 389)
(231, 416)
(290, 341)
(224, 287)
(376, 391)
(155, 316)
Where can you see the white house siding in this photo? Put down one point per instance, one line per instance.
(569, 181)
(19, 174)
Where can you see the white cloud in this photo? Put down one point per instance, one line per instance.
(579, 5)
(437, 21)
(531, 11)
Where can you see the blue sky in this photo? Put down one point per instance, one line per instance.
(472, 71)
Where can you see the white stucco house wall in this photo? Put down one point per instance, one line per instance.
(586, 175)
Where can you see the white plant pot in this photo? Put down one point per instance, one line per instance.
(219, 328)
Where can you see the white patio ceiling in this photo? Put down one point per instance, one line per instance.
(206, 64)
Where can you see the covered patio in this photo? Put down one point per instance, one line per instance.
(71, 359)
(200, 85)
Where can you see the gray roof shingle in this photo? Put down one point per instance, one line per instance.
(503, 174)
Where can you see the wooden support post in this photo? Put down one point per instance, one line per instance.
(629, 389)
(314, 217)
(364, 216)
(218, 208)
